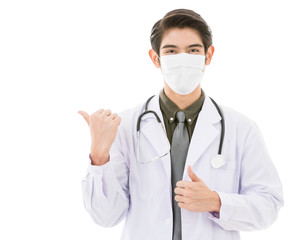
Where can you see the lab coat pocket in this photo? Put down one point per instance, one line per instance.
(224, 178)
(229, 165)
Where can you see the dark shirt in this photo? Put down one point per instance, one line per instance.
(169, 110)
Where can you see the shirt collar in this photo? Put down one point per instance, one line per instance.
(170, 108)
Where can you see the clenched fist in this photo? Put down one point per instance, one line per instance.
(103, 126)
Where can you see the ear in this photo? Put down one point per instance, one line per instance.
(209, 55)
(154, 57)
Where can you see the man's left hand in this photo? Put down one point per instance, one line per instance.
(195, 195)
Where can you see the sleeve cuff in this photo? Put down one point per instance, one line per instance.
(226, 209)
(97, 169)
(214, 215)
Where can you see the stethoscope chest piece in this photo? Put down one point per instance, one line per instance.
(218, 161)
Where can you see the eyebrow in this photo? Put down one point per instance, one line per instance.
(174, 46)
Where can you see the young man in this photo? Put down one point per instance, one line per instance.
(167, 179)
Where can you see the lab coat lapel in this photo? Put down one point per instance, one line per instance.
(204, 133)
(157, 137)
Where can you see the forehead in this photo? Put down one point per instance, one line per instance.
(181, 37)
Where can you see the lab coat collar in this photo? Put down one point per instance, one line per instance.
(204, 133)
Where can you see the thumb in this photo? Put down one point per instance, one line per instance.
(192, 175)
(85, 115)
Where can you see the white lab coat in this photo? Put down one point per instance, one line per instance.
(248, 184)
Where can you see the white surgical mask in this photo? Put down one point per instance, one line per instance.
(183, 72)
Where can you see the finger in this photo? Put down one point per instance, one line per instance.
(99, 111)
(113, 116)
(183, 184)
(106, 112)
(184, 192)
(119, 120)
(85, 115)
(179, 191)
(192, 175)
(181, 205)
(179, 198)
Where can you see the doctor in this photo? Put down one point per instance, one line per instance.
(159, 170)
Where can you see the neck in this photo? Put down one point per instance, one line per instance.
(182, 101)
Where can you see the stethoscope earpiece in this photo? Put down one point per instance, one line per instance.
(218, 161)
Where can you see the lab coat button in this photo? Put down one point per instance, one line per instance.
(167, 221)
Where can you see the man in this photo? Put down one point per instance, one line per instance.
(170, 184)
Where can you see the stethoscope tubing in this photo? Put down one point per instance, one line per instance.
(159, 120)
(222, 126)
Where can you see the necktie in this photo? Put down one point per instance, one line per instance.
(179, 147)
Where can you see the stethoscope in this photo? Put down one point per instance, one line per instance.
(216, 162)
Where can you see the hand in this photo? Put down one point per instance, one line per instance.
(103, 128)
(195, 195)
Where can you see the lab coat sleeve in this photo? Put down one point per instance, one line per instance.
(105, 188)
(260, 195)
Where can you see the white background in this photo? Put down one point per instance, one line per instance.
(58, 57)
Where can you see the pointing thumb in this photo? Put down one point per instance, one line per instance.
(192, 175)
(85, 115)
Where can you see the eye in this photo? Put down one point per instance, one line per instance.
(170, 51)
(194, 50)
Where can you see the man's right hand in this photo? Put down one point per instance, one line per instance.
(103, 129)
